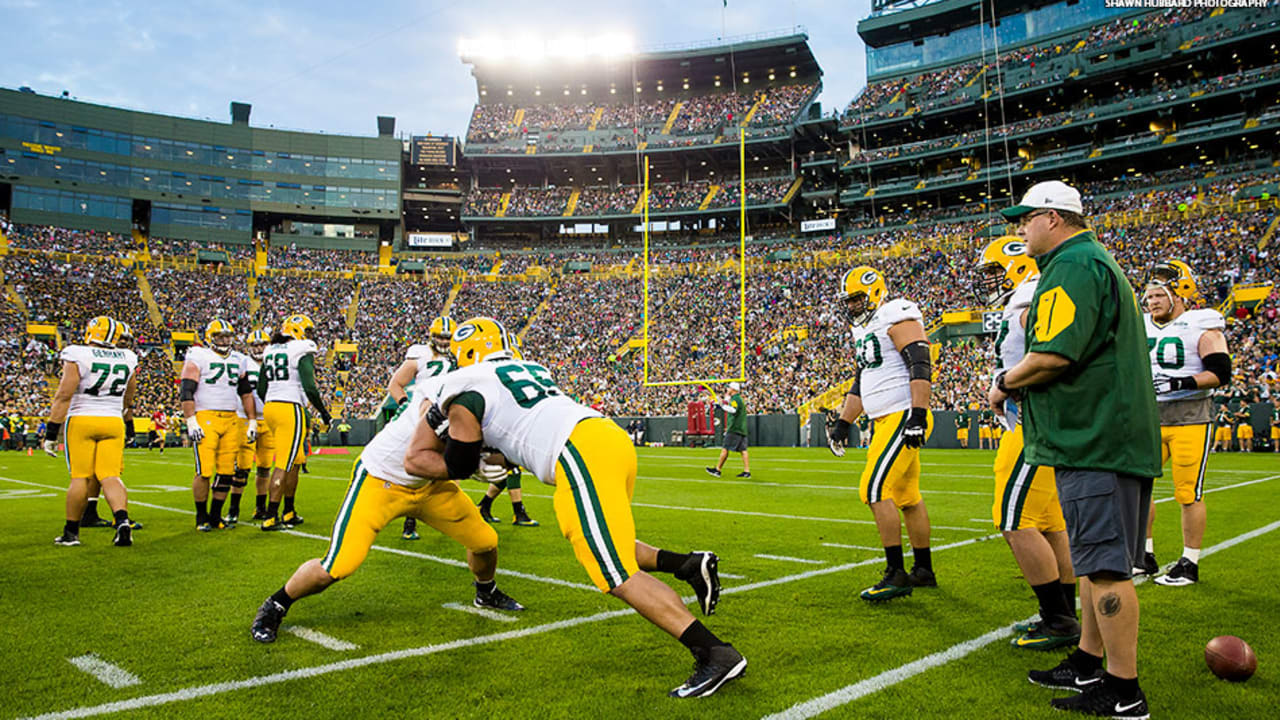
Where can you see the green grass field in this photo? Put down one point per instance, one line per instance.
(174, 610)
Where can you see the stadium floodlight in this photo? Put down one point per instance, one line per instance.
(528, 48)
(568, 47)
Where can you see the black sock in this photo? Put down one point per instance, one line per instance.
(90, 510)
(893, 555)
(121, 516)
(1052, 603)
(288, 504)
(1069, 595)
(260, 502)
(922, 557)
(215, 509)
(486, 588)
(486, 504)
(282, 598)
(410, 524)
(71, 528)
(202, 512)
(273, 508)
(1126, 689)
(697, 638)
(518, 508)
(235, 503)
(1084, 662)
(669, 562)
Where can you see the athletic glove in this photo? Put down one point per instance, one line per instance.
(1165, 384)
(194, 431)
(251, 434)
(917, 424)
(437, 420)
(129, 432)
(50, 447)
(838, 436)
(490, 473)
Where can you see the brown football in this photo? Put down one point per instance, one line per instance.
(1230, 658)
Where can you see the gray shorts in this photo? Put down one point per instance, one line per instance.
(735, 442)
(1106, 516)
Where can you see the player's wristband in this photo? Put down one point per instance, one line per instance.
(1000, 383)
(841, 430)
(52, 430)
(1183, 383)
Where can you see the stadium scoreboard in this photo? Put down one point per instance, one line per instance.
(434, 150)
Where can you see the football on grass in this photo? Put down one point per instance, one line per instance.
(1230, 658)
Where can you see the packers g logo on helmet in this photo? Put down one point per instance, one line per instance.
(862, 290)
(480, 339)
(442, 333)
(1176, 277)
(298, 327)
(1002, 267)
(220, 336)
(102, 331)
(258, 342)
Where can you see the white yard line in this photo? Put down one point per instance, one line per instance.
(852, 547)
(113, 675)
(319, 638)
(802, 486)
(787, 558)
(482, 612)
(733, 577)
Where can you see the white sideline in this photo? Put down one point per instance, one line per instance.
(490, 614)
(787, 558)
(319, 638)
(889, 678)
(113, 675)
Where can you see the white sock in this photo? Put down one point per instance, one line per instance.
(1192, 554)
(1151, 546)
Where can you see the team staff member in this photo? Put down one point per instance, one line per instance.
(286, 383)
(735, 432)
(1275, 425)
(1090, 415)
(1244, 427)
(1222, 429)
(962, 429)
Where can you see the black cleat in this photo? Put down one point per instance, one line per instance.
(1101, 700)
(922, 577)
(231, 520)
(67, 539)
(271, 524)
(713, 472)
(95, 522)
(488, 516)
(261, 515)
(267, 622)
(496, 600)
(743, 474)
(716, 667)
(205, 527)
(124, 534)
(291, 519)
(895, 583)
(523, 520)
(135, 524)
(1183, 572)
(702, 573)
(1149, 565)
(1064, 677)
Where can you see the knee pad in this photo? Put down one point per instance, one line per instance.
(240, 479)
(513, 479)
(222, 482)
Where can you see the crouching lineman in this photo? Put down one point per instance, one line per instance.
(382, 490)
(95, 400)
(1188, 359)
(212, 391)
(1026, 507)
(892, 386)
(515, 407)
(257, 443)
(286, 382)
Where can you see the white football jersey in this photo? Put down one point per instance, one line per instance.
(1175, 348)
(252, 369)
(280, 368)
(219, 377)
(431, 363)
(1011, 341)
(383, 457)
(104, 375)
(884, 378)
(526, 417)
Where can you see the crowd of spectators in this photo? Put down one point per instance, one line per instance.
(68, 293)
(68, 240)
(32, 362)
(174, 247)
(189, 299)
(158, 383)
(622, 199)
(324, 299)
(328, 259)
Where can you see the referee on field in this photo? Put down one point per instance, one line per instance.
(1089, 413)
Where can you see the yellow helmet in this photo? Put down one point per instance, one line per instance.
(258, 342)
(514, 342)
(1176, 277)
(220, 336)
(298, 327)
(126, 335)
(862, 289)
(1001, 268)
(103, 331)
(479, 339)
(442, 333)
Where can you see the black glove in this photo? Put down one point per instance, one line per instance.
(838, 436)
(1173, 384)
(438, 421)
(129, 432)
(917, 425)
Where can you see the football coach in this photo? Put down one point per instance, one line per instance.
(1089, 413)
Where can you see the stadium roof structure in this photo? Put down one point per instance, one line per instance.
(893, 22)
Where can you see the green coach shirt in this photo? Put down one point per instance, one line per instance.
(1100, 413)
(738, 422)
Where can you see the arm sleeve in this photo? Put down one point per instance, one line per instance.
(1066, 310)
(307, 374)
(244, 386)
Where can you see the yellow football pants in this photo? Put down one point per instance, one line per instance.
(216, 452)
(95, 446)
(893, 469)
(1188, 447)
(287, 424)
(1026, 496)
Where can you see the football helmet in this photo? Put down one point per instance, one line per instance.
(1175, 276)
(258, 342)
(862, 290)
(220, 336)
(514, 342)
(102, 331)
(479, 339)
(1001, 268)
(298, 327)
(126, 335)
(442, 333)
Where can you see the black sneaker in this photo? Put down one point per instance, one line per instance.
(523, 520)
(1183, 572)
(291, 519)
(124, 535)
(95, 522)
(1102, 700)
(702, 572)
(1149, 565)
(895, 583)
(743, 474)
(488, 516)
(1065, 677)
(497, 600)
(205, 527)
(1057, 632)
(922, 577)
(267, 622)
(232, 520)
(716, 667)
(271, 524)
(713, 473)
(261, 515)
(67, 539)
(135, 524)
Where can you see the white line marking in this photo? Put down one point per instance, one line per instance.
(24, 494)
(1230, 487)
(802, 486)
(786, 558)
(889, 678)
(113, 675)
(852, 547)
(733, 577)
(319, 638)
(482, 612)
(779, 516)
(984, 521)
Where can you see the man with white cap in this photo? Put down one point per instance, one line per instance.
(1088, 413)
(735, 431)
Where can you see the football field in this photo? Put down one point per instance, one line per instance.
(161, 629)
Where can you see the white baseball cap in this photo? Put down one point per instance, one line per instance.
(735, 385)
(1051, 195)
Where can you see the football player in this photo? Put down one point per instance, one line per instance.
(257, 443)
(986, 419)
(962, 428)
(212, 390)
(159, 431)
(1026, 507)
(382, 490)
(1275, 425)
(286, 382)
(1188, 359)
(1244, 427)
(95, 400)
(893, 386)
(516, 408)
(1222, 428)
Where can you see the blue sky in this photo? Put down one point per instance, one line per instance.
(334, 66)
